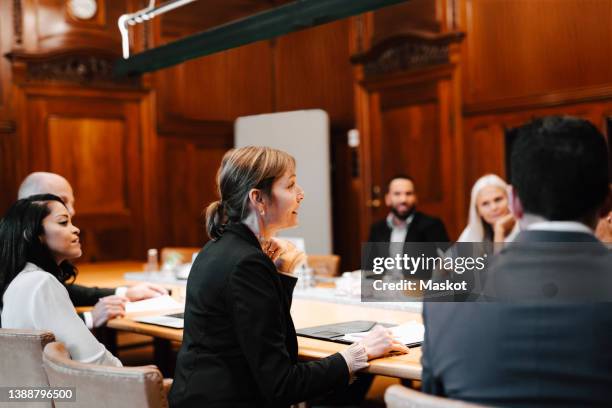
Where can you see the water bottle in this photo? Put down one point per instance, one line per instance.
(152, 262)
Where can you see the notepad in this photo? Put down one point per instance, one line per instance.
(409, 333)
(164, 302)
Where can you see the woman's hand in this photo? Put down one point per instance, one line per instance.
(380, 341)
(503, 227)
(273, 247)
(283, 253)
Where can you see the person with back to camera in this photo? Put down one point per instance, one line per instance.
(37, 241)
(540, 335)
(239, 345)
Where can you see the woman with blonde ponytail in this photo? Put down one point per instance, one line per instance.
(239, 345)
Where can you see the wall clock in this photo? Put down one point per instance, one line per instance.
(83, 9)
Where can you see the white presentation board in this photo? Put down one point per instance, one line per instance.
(305, 135)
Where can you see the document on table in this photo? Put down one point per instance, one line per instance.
(153, 304)
(410, 333)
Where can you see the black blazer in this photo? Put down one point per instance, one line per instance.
(239, 343)
(521, 354)
(423, 228)
(87, 296)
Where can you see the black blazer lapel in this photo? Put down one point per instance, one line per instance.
(414, 229)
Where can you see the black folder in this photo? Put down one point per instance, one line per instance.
(335, 332)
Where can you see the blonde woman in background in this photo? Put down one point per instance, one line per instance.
(489, 217)
(489, 221)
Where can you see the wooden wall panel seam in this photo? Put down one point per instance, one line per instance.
(549, 99)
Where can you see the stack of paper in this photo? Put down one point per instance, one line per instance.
(408, 333)
(153, 304)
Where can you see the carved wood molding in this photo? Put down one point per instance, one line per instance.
(88, 67)
(408, 50)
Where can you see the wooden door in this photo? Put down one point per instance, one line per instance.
(411, 131)
(96, 140)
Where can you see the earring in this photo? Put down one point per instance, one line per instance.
(262, 212)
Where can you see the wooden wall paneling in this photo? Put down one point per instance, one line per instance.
(219, 87)
(152, 180)
(345, 200)
(189, 171)
(360, 36)
(250, 80)
(196, 99)
(410, 133)
(413, 15)
(456, 130)
(312, 70)
(177, 192)
(410, 118)
(484, 149)
(484, 140)
(451, 155)
(6, 39)
(361, 184)
(93, 137)
(202, 15)
(375, 191)
(411, 144)
(82, 149)
(8, 178)
(7, 122)
(524, 53)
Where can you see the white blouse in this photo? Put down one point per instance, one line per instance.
(35, 299)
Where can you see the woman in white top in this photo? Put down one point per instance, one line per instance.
(490, 218)
(37, 241)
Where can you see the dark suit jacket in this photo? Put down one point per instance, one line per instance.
(423, 228)
(529, 353)
(87, 296)
(239, 344)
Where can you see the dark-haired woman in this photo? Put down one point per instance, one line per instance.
(37, 242)
(239, 346)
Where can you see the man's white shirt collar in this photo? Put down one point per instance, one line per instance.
(542, 224)
(392, 224)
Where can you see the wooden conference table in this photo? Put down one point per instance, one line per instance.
(305, 313)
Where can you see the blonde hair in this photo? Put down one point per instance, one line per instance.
(241, 170)
(475, 229)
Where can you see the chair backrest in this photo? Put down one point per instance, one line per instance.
(103, 386)
(398, 396)
(21, 357)
(183, 254)
(21, 360)
(324, 265)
